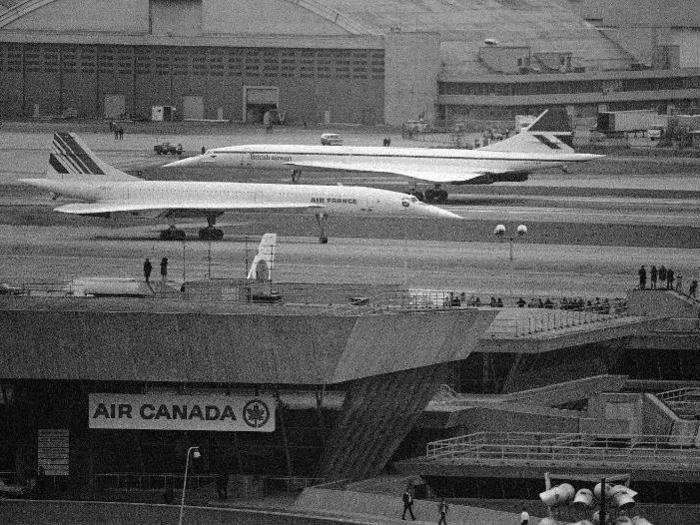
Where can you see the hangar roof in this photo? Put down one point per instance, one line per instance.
(463, 25)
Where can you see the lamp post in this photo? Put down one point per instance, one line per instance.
(500, 232)
(194, 452)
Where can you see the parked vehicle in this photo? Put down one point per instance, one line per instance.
(331, 139)
(168, 148)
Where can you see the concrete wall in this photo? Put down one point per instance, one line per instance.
(410, 82)
(79, 15)
(348, 83)
(688, 41)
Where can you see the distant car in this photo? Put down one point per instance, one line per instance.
(331, 139)
(6, 289)
(168, 148)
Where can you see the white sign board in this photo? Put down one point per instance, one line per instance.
(162, 411)
(53, 451)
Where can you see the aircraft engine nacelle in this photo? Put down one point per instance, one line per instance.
(557, 495)
(584, 498)
(638, 520)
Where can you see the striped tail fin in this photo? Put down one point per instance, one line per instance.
(550, 133)
(71, 158)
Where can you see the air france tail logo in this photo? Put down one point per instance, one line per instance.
(69, 157)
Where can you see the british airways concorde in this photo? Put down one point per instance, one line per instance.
(545, 143)
(105, 191)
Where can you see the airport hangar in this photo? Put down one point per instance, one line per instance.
(383, 61)
(336, 391)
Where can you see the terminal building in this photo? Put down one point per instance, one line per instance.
(368, 62)
(101, 394)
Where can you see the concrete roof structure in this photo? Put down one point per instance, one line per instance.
(462, 25)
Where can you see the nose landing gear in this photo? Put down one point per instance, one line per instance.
(172, 234)
(210, 233)
(436, 195)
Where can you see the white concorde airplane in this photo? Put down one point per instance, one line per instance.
(545, 143)
(105, 191)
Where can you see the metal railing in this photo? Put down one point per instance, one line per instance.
(532, 322)
(546, 449)
(685, 402)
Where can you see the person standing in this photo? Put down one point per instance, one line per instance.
(442, 512)
(679, 284)
(642, 278)
(669, 279)
(693, 288)
(662, 276)
(524, 517)
(163, 271)
(654, 276)
(407, 504)
(147, 268)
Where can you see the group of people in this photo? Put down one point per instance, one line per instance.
(663, 278)
(601, 306)
(443, 509)
(148, 268)
(117, 130)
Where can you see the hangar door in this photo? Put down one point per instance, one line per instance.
(257, 100)
(114, 105)
(193, 107)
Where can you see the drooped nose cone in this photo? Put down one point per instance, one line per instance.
(189, 161)
(434, 211)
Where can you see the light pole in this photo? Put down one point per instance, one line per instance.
(194, 451)
(500, 232)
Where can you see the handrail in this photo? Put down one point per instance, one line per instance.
(472, 442)
(605, 450)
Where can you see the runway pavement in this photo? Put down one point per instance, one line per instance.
(40, 254)
(589, 230)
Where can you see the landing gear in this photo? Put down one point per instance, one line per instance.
(436, 195)
(417, 194)
(296, 175)
(321, 219)
(172, 234)
(210, 233)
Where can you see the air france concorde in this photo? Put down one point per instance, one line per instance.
(104, 191)
(545, 143)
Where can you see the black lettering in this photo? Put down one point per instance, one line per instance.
(196, 412)
(163, 412)
(149, 414)
(101, 411)
(125, 410)
(228, 413)
(211, 412)
(179, 411)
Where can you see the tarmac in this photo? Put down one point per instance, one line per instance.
(589, 230)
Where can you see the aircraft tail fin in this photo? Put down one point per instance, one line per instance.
(550, 133)
(71, 158)
(261, 268)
